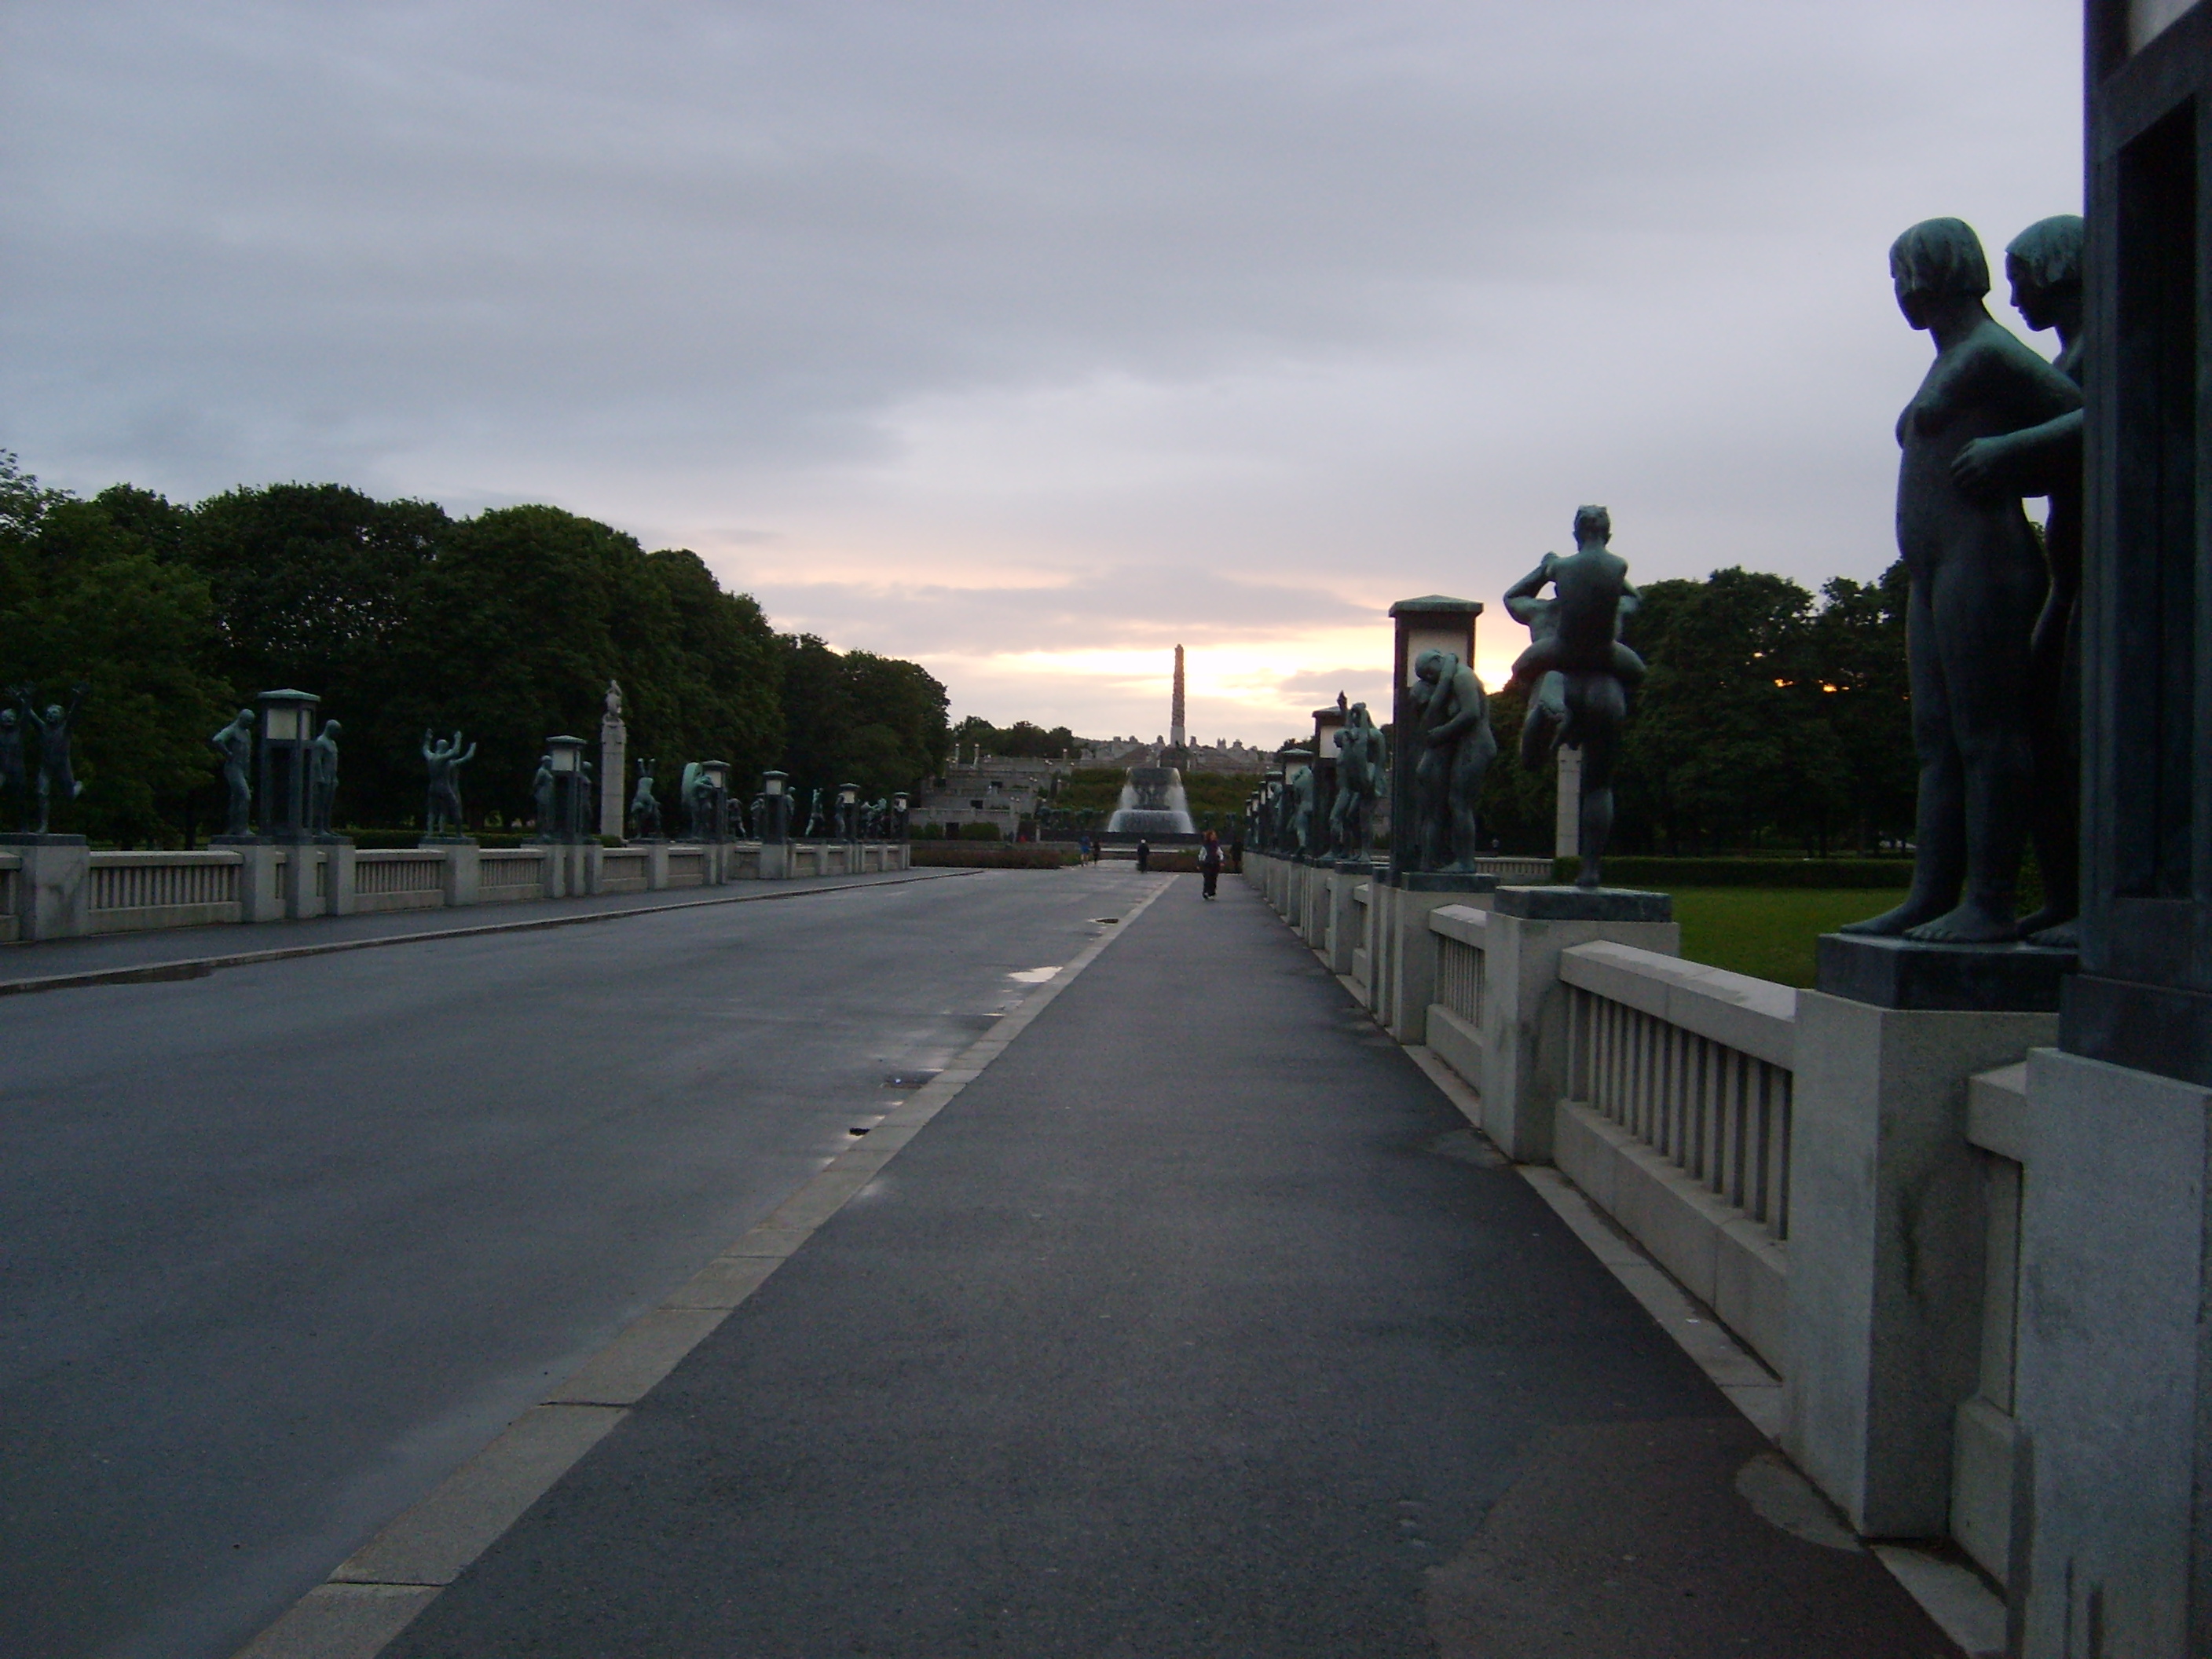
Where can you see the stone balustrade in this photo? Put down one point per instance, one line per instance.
(62, 889)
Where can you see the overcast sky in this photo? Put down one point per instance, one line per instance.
(1027, 340)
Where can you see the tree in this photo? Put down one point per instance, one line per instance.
(1727, 740)
(857, 718)
(316, 586)
(1024, 739)
(90, 592)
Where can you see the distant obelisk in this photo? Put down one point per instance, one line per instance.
(1175, 710)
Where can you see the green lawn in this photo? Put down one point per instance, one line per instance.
(1768, 932)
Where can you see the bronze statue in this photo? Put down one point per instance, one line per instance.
(1457, 747)
(1358, 780)
(2043, 265)
(644, 807)
(1545, 725)
(442, 816)
(1591, 594)
(1978, 587)
(235, 743)
(54, 727)
(1302, 789)
(12, 778)
(541, 796)
(322, 778)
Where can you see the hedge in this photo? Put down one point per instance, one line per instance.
(976, 855)
(1745, 872)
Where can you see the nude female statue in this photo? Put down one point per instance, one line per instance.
(1977, 584)
(2043, 265)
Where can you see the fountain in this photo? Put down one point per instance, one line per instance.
(1152, 803)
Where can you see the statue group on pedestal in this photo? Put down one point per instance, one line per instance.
(1992, 613)
(1577, 671)
(1359, 775)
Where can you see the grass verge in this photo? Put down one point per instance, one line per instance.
(1768, 932)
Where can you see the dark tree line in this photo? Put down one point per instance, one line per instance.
(506, 625)
(1772, 720)
(1023, 740)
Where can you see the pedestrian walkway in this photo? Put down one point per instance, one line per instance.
(1197, 1323)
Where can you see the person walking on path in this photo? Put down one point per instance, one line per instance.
(1144, 855)
(1209, 862)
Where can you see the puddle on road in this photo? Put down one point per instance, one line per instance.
(1032, 975)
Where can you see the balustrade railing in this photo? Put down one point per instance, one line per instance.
(502, 867)
(376, 873)
(1458, 978)
(1694, 1062)
(149, 881)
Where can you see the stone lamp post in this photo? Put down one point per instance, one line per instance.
(567, 765)
(1328, 722)
(718, 809)
(898, 814)
(776, 790)
(848, 795)
(287, 728)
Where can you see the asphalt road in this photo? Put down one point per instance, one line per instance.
(281, 1246)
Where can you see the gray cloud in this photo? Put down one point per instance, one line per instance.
(1278, 295)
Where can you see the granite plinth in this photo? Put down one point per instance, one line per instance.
(2147, 1028)
(1440, 881)
(240, 840)
(26, 838)
(1908, 973)
(447, 841)
(1584, 904)
(1357, 866)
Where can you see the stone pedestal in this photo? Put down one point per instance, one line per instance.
(340, 854)
(1567, 822)
(1524, 1006)
(462, 875)
(1404, 963)
(2112, 1385)
(296, 880)
(54, 887)
(1887, 1233)
(1902, 973)
(1346, 919)
(258, 897)
(656, 865)
(613, 771)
